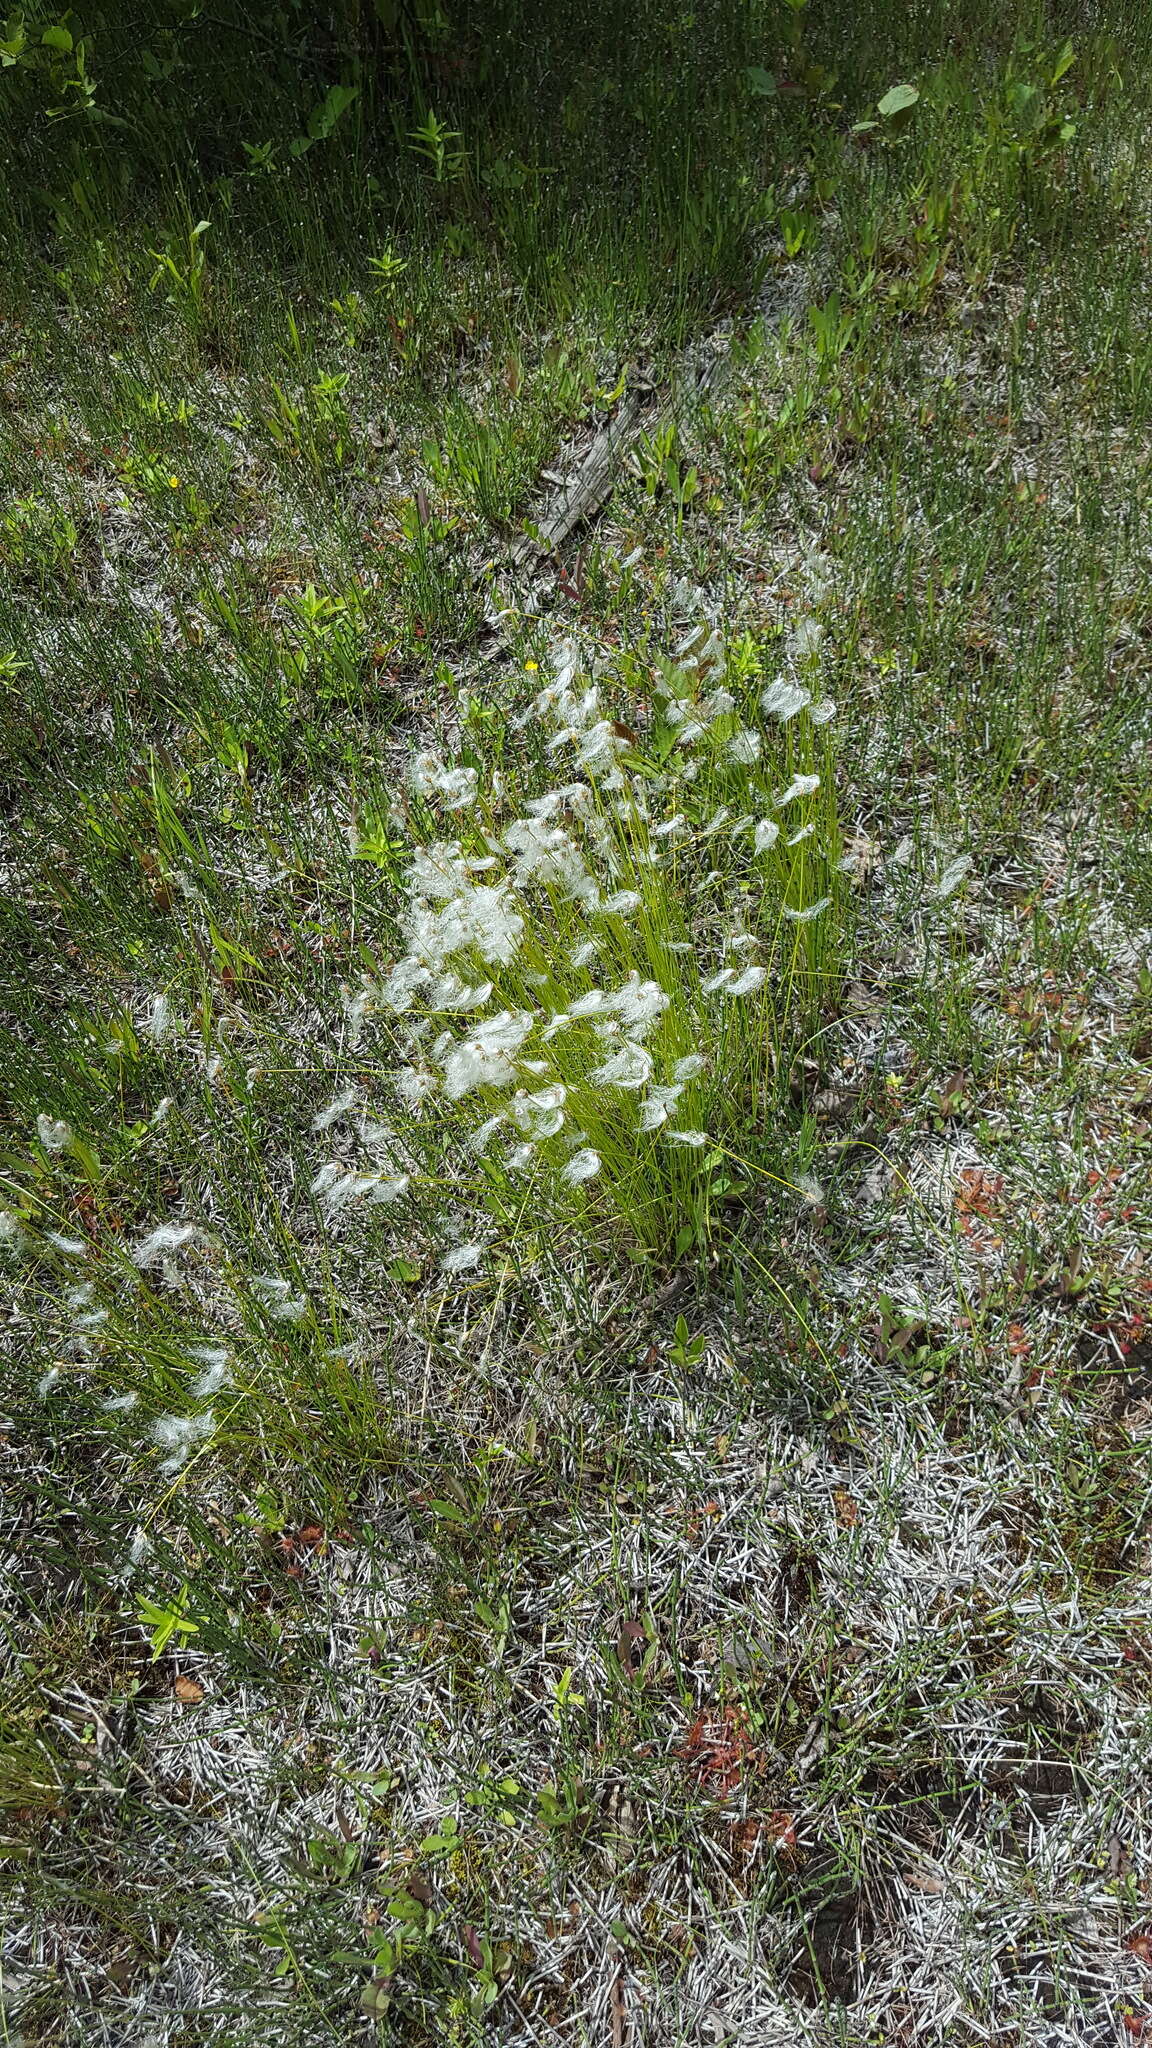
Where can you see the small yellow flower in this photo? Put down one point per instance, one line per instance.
(531, 664)
(175, 482)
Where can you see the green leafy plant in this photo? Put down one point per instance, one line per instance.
(323, 119)
(686, 1351)
(489, 463)
(441, 147)
(495, 1795)
(53, 57)
(1025, 119)
(38, 540)
(833, 328)
(563, 1803)
(797, 228)
(182, 270)
(387, 268)
(323, 652)
(565, 1698)
(261, 158)
(437, 588)
(166, 1620)
(12, 667)
(895, 110)
(332, 1857)
(313, 427)
(663, 470)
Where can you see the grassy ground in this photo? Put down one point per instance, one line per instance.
(736, 1637)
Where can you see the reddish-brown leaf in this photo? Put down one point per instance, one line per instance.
(781, 1831)
(619, 2011)
(627, 1648)
(979, 1192)
(719, 1749)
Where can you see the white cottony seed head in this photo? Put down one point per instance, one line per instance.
(456, 787)
(638, 1003)
(582, 1166)
(783, 699)
(72, 1247)
(159, 1019)
(210, 1381)
(167, 1237)
(807, 638)
(413, 1084)
(462, 1258)
(688, 1068)
(952, 877)
(540, 1115)
(484, 1059)
(751, 979)
(800, 785)
(744, 747)
(631, 1067)
(658, 1105)
(336, 1109)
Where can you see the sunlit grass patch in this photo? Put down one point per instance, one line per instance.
(571, 1223)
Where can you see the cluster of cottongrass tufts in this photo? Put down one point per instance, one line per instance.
(601, 954)
(596, 977)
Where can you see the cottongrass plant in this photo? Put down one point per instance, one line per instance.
(605, 951)
(598, 975)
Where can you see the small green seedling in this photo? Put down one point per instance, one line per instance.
(163, 1623)
(686, 1351)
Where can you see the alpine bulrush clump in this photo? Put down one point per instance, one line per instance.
(595, 978)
